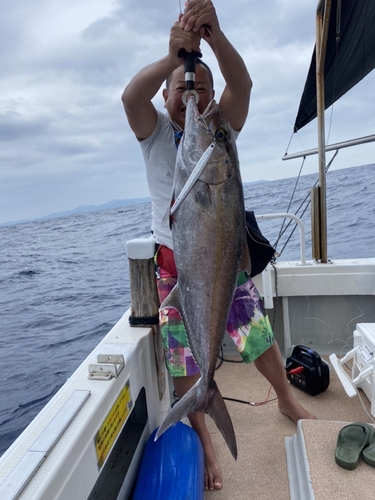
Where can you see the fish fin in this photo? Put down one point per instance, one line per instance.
(172, 300)
(219, 413)
(214, 406)
(246, 260)
(182, 409)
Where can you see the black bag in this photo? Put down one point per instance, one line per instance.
(306, 370)
(261, 251)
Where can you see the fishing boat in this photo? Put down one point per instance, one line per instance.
(88, 441)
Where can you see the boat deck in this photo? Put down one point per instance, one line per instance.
(261, 468)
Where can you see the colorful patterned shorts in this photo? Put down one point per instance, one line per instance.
(248, 325)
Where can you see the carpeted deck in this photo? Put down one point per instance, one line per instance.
(260, 471)
(329, 481)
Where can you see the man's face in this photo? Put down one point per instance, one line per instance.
(173, 96)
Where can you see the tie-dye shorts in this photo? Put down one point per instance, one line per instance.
(248, 325)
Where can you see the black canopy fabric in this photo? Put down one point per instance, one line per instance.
(348, 60)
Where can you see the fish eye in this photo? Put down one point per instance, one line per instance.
(220, 135)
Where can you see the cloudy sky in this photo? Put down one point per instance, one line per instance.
(64, 138)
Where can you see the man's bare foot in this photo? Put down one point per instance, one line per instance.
(295, 411)
(212, 476)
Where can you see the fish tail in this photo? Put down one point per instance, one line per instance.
(219, 413)
(214, 406)
(182, 409)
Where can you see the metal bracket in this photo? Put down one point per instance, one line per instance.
(108, 366)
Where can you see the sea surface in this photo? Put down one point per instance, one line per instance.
(64, 281)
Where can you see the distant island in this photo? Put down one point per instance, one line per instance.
(84, 209)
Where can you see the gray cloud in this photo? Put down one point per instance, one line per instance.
(64, 139)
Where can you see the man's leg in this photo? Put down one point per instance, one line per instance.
(250, 328)
(170, 326)
(270, 365)
(212, 476)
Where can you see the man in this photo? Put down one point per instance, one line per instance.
(156, 133)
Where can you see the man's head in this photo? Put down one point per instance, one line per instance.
(176, 86)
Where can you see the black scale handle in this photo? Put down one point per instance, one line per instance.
(189, 67)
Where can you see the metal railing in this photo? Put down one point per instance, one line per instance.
(300, 226)
(331, 147)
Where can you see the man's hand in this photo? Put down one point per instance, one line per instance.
(182, 39)
(200, 17)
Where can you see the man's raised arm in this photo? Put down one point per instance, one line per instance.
(137, 96)
(200, 16)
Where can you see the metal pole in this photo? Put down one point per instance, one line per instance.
(322, 24)
(332, 147)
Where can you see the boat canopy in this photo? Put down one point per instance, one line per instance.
(350, 55)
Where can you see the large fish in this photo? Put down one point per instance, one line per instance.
(208, 230)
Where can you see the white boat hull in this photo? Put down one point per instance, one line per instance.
(71, 467)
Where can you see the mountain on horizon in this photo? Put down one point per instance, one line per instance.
(83, 209)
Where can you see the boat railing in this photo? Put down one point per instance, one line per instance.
(300, 226)
(331, 147)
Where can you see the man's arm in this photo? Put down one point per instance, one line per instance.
(137, 96)
(200, 16)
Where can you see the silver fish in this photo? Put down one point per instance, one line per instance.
(208, 230)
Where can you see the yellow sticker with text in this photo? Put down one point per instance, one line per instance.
(112, 424)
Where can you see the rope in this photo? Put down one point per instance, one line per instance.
(283, 230)
(290, 202)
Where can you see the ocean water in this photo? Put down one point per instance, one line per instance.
(64, 282)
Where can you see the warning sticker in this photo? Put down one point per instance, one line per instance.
(112, 424)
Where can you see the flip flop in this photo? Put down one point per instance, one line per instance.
(351, 440)
(368, 453)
